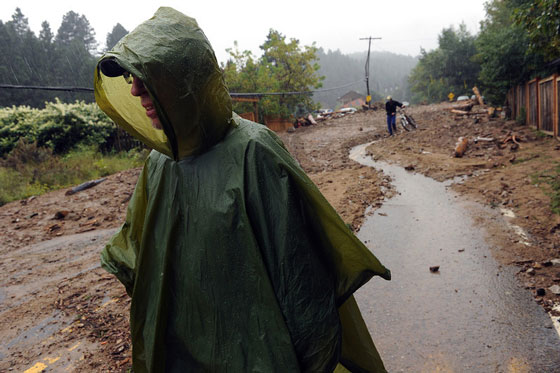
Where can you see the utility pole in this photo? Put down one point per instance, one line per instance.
(369, 39)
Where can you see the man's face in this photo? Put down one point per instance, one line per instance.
(139, 90)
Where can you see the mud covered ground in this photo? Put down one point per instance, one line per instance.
(60, 311)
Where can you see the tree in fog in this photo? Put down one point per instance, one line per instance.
(64, 60)
(449, 68)
(19, 23)
(114, 36)
(46, 35)
(339, 70)
(76, 28)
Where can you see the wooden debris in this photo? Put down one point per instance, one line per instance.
(86, 185)
(461, 147)
(478, 96)
(460, 112)
(310, 119)
(464, 107)
(513, 138)
(486, 139)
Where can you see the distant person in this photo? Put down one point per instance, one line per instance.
(233, 258)
(391, 109)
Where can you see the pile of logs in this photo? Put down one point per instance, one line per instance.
(466, 108)
(510, 137)
(462, 143)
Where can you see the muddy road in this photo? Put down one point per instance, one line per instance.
(465, 311)
(59, 311)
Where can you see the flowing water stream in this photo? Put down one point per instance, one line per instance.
(471, 315)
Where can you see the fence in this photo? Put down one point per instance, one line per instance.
(539, 101)
(124, 141)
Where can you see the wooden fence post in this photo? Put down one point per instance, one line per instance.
(527, 102)
(555, 104)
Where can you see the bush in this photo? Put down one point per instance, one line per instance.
(59, 127)
(25, 154)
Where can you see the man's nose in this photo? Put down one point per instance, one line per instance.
(137, 87)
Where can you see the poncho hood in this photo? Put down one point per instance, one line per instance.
(177, 65)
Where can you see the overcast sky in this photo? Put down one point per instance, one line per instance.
(404, 26)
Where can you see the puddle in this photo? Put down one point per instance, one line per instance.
(35, 333)
(472, 315)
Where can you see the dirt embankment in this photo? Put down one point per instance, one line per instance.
(59, 310)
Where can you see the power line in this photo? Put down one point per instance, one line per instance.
(232, 94)
(46, 88)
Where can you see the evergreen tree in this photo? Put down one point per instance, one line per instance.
(114, 36)
(19, 23)
(31, 60)
(76, 27)
(46, 35)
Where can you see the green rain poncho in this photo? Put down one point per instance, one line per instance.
(234, 260)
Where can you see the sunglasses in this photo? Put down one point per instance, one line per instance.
(128, 77)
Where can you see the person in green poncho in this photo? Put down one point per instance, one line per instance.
(233, 258)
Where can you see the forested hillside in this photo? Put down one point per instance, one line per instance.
(388, 74)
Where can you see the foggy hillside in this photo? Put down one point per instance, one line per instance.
(388, 75)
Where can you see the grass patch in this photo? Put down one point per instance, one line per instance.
(528, 158)
(29, 170)
(540, 134)
(549, 181)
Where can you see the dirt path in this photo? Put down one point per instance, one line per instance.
(75, 315)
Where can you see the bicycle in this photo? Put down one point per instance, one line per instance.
(407, 121)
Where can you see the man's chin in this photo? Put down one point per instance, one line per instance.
(156, 124)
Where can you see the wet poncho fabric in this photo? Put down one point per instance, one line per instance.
(234, 260)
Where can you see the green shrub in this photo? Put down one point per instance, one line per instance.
(59, 127)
